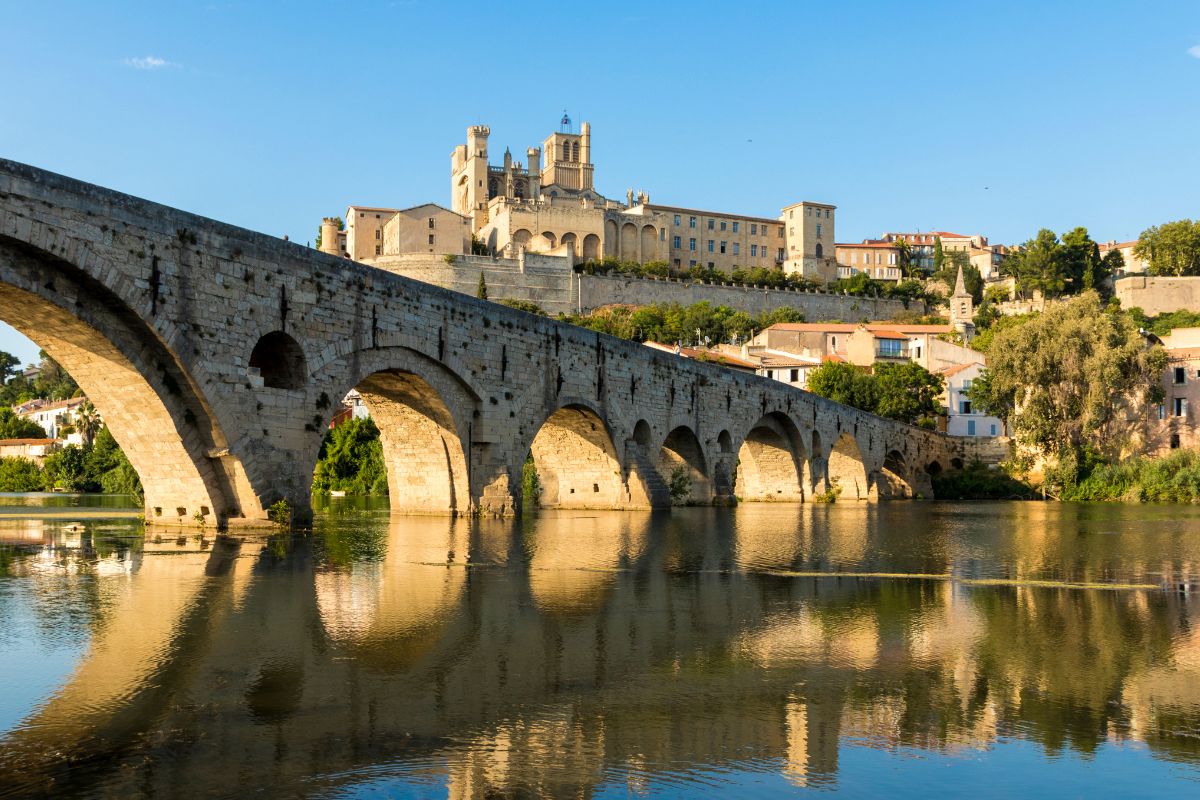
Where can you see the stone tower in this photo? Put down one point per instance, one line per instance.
(469, 176)
(962, 308)
(569, 159)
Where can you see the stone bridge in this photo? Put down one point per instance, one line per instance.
(217, 356)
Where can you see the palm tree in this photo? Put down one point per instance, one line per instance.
(87, 421)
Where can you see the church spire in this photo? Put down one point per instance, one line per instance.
(960, 287)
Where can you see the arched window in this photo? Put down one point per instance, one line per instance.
(820, 250)
(575, 151)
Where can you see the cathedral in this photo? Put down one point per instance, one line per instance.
(549, 205)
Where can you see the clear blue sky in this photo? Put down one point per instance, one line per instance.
(990, 117)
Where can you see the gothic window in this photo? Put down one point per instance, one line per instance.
(575, 151)
(820, 250)
(493, 187)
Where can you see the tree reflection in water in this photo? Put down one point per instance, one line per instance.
(577, 651)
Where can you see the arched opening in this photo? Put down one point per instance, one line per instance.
(521, 238)
(846, 471)
(649, 242)
(493, 187)
(892, 481)
(141, 391)
(569, 240)
(956, 463)
(421, 446)
(279, 361)
(575, 463)
(725, 442)
(519, 189)
(629, 242)
(770, 462)
(647, 488)
(820, 250)
(548, 240)
(933, 468)
(612, 243)
(681, 464)
(591, 247)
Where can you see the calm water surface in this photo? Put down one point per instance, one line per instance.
(912, 649)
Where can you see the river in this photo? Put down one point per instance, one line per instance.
(908, 649)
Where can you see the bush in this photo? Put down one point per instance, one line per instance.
(680, 486)
(527, 306)
(20, 475)
(979, 482)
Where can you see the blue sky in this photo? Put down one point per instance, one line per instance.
(990, 117)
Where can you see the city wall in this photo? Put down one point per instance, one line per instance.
(601, 290)
(1158, 295)
(549, 282)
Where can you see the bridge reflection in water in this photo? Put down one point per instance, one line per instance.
(575, 652)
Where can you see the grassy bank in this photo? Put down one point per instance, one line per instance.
(1171, 479)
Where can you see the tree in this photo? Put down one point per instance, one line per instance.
(9, 365)
(907, 392)
(844, 383)
(939, 255)
(1080, 261)
(1038, 266)
(1172, 248)
(481, 289)
(14, 427)
(87, 421)
(351, 460)
(910, 263)
(972, 280)
(19, 475)
(1066, 378)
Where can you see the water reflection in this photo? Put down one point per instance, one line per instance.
(588, 653)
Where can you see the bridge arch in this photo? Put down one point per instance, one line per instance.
(423, 412)
(682, 464)
(892, 479)
(771, 461)
(846, 470)
(576, 462)
(150, 402)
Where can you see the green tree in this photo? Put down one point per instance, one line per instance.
(1080, 261)
(907, 392)
(20, 475)
(9, 365)
(939, 255)
(910, 263)
(1172, 248)
(1066, 378)
(108, 469)
(845, 383)
(14, 427)
(68, 469)
(87, 421)
(481, 289)
(351, 460)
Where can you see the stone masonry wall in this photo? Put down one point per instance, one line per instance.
(601, 290)
(1158, 295)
